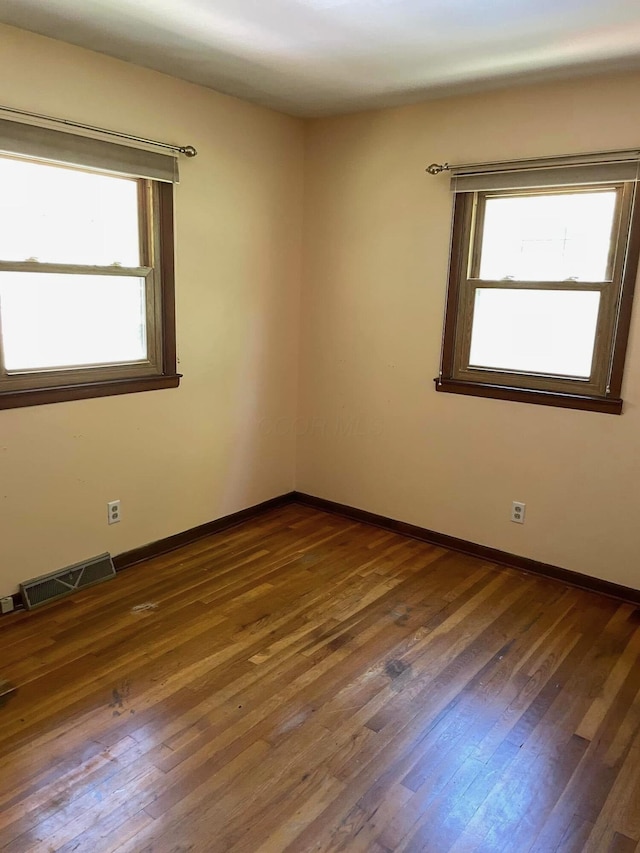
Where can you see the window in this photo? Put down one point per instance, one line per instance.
(543, 266)
(86, 272)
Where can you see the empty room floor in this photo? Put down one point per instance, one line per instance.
(303, 682)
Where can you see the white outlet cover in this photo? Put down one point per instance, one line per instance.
(518, 509)
(113, 512)
(6, 604)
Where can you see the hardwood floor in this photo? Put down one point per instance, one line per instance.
(307, 683)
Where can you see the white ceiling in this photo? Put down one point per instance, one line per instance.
(316, 57)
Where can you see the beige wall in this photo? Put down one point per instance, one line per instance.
(370, 430)
(373, 432)
(175, 458)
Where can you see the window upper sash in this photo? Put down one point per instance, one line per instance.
(54, 146)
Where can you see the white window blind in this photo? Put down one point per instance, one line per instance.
(573, 170)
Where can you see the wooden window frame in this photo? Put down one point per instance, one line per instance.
(602, 391)
(31, 388)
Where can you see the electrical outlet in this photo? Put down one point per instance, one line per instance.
(517, 512)
(113, 512)
(6, 604)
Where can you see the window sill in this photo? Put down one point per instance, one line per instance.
(85, 391)
(611, 406)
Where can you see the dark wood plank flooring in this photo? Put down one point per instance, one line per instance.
(307, 683)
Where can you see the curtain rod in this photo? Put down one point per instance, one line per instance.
(533, 163)
(187, 150)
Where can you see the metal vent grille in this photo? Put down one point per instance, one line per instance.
(38, 591)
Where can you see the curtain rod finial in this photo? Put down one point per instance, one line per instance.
(188, 151)
(436, 168)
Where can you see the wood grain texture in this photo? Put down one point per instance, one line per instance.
(306, 682)
(6, 691)
(473, 549)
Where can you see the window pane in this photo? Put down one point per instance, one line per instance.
(51, 320)
(535, 331)
(548, 237)
(63, 216)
